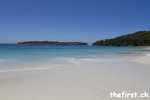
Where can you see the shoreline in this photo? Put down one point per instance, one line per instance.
(76, 78)
(86, 81)
(143, 60)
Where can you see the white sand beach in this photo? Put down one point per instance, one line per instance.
(143, 60)
(87, 80)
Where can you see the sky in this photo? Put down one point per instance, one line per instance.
(71, 20)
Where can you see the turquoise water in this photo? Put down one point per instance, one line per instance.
(14, 56)
(39, 51)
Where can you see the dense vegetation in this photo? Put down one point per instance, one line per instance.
(51, 43)
(140, 38)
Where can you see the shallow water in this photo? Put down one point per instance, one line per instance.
(35, 57)
(15, 58)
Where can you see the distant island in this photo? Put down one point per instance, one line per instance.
(51, 43)
(140, 38)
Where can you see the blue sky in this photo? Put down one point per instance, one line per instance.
(71, 20)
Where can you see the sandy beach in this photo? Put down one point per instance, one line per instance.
(143, 60)
(87, 80)
(74, 50)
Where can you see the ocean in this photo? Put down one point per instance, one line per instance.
(19, 57)
(25, 52)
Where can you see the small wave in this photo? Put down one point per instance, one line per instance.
(74, 60)
(85, 60)
(20, 70)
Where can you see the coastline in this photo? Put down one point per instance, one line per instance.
(79, 79)
(143, 60)
(72, 76)
(75, 50)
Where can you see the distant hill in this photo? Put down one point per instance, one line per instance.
(51, 43)
(140, 38)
